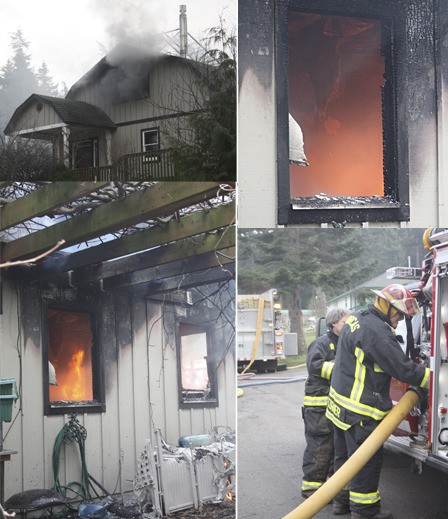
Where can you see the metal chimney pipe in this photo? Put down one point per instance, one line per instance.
(183, 34)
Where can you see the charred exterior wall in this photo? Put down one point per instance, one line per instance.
(420, 86)
(139, 368)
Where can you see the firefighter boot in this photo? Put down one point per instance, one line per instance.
(381, 514)
(340, 508)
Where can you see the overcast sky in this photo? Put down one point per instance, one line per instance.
(71, 36)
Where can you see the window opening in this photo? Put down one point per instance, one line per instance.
(71, 358)
(150, 144)
(336, 80)
(195, 376)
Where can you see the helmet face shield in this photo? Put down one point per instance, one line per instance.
(400, 298)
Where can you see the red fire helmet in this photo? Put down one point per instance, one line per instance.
(400, 298)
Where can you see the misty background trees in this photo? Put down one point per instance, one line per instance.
(308, 267)
(19, 78)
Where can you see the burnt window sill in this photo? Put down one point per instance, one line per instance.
(67, 407)
(197, 399)
(326, 209)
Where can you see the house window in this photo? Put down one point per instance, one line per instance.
(196, 376)
(85, 154)
(339, 115)
(73, 366)
(151, 144)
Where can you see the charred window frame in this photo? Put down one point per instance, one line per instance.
(95, 403)
(395, 206)
(197, 385)
(151, 144)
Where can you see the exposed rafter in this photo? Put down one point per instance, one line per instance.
(154, 201)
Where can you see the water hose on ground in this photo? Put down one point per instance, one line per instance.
(357, 460)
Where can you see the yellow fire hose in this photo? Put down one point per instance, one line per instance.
(357, 460)
(257, 334)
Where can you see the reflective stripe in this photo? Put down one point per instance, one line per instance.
(360, 375)
(331, 346)
(327, 369)
(365, 499)
(357, 407)
(377, 368)
(336, 421)
(314, 401)
(425, 381)
(311, 485)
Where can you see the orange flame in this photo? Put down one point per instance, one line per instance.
(75, 381)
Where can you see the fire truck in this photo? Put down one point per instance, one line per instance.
(424, 433)
(260, 333)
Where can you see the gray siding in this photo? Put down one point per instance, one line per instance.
(141, 390)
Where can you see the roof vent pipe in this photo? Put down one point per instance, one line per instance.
(183, 31)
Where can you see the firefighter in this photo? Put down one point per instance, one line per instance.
(368, 356)
(319, 454)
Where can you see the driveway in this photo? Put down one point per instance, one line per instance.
(270, 449)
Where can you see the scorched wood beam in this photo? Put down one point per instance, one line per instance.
(165, 254)
(190, 225)
(44, 200)
(176, 268)
(159, 199)
(184, 282)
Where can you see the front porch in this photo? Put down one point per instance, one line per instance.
(154, 165)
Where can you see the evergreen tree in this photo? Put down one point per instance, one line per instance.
(17, 78)
(302, 263)
(45, 82)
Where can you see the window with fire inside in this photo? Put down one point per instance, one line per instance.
(196, 373)
(74, 378)
(341, 117)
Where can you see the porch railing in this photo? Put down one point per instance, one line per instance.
(153, 165)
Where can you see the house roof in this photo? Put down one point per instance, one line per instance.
(70, 111)
(129, 62)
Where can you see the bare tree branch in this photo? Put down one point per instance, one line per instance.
(32, 260)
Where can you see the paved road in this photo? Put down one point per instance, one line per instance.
(270, 449)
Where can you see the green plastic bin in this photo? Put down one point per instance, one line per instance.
(8, 395)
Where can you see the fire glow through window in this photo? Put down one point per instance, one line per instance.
(70, 356)
(336, 77)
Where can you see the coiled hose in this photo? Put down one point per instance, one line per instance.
(71, 432)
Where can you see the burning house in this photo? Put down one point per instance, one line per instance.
(348, 99)
(128, 328)
(116, 121)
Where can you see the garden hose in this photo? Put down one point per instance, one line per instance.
(71, 432)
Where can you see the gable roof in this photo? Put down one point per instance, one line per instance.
(70, 111)
(129, 62)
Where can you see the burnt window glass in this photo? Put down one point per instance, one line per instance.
(196, 372)
(73, 364)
